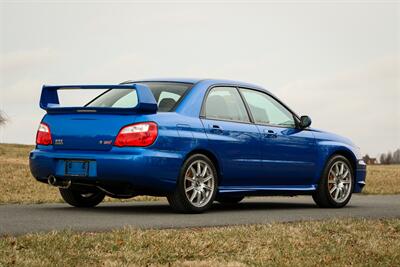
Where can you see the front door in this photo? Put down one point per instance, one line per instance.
(288, 154)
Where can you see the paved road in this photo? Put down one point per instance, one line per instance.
(19, 219)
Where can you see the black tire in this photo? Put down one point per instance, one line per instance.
(179, 200)
(322, 196)
(82, 199)
(229, 200)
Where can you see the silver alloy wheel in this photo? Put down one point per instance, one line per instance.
(340, 181)
(199, 183)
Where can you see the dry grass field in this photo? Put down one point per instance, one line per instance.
(383, 179)
(329, 243)
(18, 186)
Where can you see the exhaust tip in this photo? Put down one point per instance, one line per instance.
(52, 180)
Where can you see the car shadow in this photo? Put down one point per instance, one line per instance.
(163, 207)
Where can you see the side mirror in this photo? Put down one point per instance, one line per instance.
(305, 121)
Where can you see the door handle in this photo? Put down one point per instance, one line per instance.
(215, 128)
(270, 134)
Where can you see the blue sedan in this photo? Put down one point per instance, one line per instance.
(193, 141)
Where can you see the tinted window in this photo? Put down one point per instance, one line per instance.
(167, 94)
(267, 110)
(225, 103)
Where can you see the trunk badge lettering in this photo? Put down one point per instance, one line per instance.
(59, 142)
(105, 142)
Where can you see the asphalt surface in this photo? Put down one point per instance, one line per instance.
(19, 219)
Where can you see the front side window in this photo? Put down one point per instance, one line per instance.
(266, 110)
(225, 103)
(167, 95)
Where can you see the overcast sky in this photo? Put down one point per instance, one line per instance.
(337, 62)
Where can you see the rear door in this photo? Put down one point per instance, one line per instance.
(232, 136)
(288, 154)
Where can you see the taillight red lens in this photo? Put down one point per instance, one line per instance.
(139, 134)
(43, 136)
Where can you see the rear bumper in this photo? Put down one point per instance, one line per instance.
(141, 167)
(360, 173)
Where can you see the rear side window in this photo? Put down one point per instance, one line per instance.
(166, 94)
(225, 103)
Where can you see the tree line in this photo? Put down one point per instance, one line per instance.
(390, 158)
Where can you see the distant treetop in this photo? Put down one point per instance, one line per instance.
(389, 158)
(2, 118)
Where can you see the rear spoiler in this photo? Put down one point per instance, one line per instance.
(49, 100)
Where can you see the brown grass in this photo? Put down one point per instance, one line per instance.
(383, 179)
(18, 186)
(331, 243)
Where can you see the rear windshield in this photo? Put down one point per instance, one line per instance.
(167, 95)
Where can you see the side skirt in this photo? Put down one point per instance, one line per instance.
(268, 190)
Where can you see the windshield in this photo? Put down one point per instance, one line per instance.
(167, 95)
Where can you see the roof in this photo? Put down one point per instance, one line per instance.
(194, 81)
(180, 80)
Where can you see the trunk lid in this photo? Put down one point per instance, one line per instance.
(94, 126)
(86, 131)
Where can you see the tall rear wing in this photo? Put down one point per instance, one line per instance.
(50, 102)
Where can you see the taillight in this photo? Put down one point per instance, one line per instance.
(139, 134)
(43, 135)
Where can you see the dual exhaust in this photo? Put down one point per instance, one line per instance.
(52, 180)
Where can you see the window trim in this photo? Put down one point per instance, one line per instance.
(203, 105)
(295, 116)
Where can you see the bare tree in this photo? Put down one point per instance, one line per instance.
(396, 156)
(2, 118)
(382, 158)
(389, 158)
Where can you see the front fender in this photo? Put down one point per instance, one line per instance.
(327, 149)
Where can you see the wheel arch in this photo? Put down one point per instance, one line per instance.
(341, 152)
(347, 154)
(211, 156)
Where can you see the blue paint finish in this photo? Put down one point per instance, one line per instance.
(236, 145)
(249, 157)
(288, 158)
